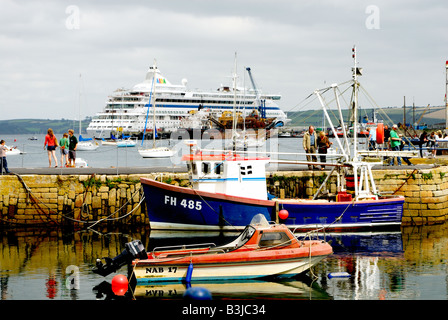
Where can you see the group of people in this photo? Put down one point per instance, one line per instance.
(430, 141)
(68, 144)
(319, 143)
(313, 142)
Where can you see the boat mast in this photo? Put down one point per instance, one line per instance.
(154, 105)
(446, 98)
(79, 105)
(355, 102)
(149, 105)
(234, 107)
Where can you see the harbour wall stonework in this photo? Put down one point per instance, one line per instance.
(86, 200)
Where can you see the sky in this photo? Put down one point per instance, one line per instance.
(52, 52)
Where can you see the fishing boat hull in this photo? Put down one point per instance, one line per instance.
(176, 208)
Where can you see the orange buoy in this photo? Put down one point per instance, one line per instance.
(283, 214)
(380, 133)
(119, 284)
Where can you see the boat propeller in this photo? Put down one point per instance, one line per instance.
(133, 250)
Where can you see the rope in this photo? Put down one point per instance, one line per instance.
(37, 202)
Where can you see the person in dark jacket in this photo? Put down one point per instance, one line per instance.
(323, 143)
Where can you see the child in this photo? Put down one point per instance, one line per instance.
(63, 143)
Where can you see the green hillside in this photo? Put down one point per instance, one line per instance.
(298, 119)
(387, 115)
(40, 126)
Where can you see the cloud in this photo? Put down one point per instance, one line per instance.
(293, 47)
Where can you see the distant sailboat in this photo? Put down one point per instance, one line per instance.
(84, 144)
(154, 152)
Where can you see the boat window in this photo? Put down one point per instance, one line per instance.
(206, 167)
(246, 170)
(269, 239)
(219, 168)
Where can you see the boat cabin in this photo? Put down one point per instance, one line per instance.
(229, 174)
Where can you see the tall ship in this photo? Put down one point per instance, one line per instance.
(130, 111)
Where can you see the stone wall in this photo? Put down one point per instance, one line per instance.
(83, 199)
(78, 200)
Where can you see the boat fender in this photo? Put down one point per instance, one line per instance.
(283, 214)
(197, 293)
(119, 284)
(380, 133)
(189, 273)
(338, 275)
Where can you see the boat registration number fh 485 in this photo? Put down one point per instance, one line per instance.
(190, 204)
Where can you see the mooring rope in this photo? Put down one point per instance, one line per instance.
(39, 203)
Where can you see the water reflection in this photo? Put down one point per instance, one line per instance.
(56, 264)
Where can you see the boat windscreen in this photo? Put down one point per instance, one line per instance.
(259, 220)
(245, 236)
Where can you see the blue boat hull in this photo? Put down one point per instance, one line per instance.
(171, 207)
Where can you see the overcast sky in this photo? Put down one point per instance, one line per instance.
(292, 47)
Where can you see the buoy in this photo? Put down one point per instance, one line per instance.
(380, 133)
(338, 275)
(197, 293)
(189, 273)
(119, 284)
(283, 214)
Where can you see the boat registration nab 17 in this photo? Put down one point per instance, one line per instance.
(190, 204)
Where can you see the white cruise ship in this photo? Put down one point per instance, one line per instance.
(130, 111)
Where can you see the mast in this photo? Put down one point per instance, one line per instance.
(404, 111)
(234, 107)
(154, 132)
(355, 102)
(446, 97)
(79, 105)
(149, 105)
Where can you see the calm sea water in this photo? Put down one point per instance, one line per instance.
(111, 156)
(410, 264)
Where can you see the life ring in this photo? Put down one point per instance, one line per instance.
(380, 133)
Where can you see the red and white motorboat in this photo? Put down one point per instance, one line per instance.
(261, 250)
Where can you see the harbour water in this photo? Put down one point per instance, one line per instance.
(55, 264)
(410, 264)
(34, 155)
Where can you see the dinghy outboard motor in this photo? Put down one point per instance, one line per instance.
(133, 250)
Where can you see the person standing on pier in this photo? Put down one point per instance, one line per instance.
(51, 143)
(323, 143)
(73, 143)
(64, 149)
(310, 145)
(3, 162)
(423, 141)
(395, 142)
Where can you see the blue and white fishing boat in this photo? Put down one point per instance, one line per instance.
(228, 189)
